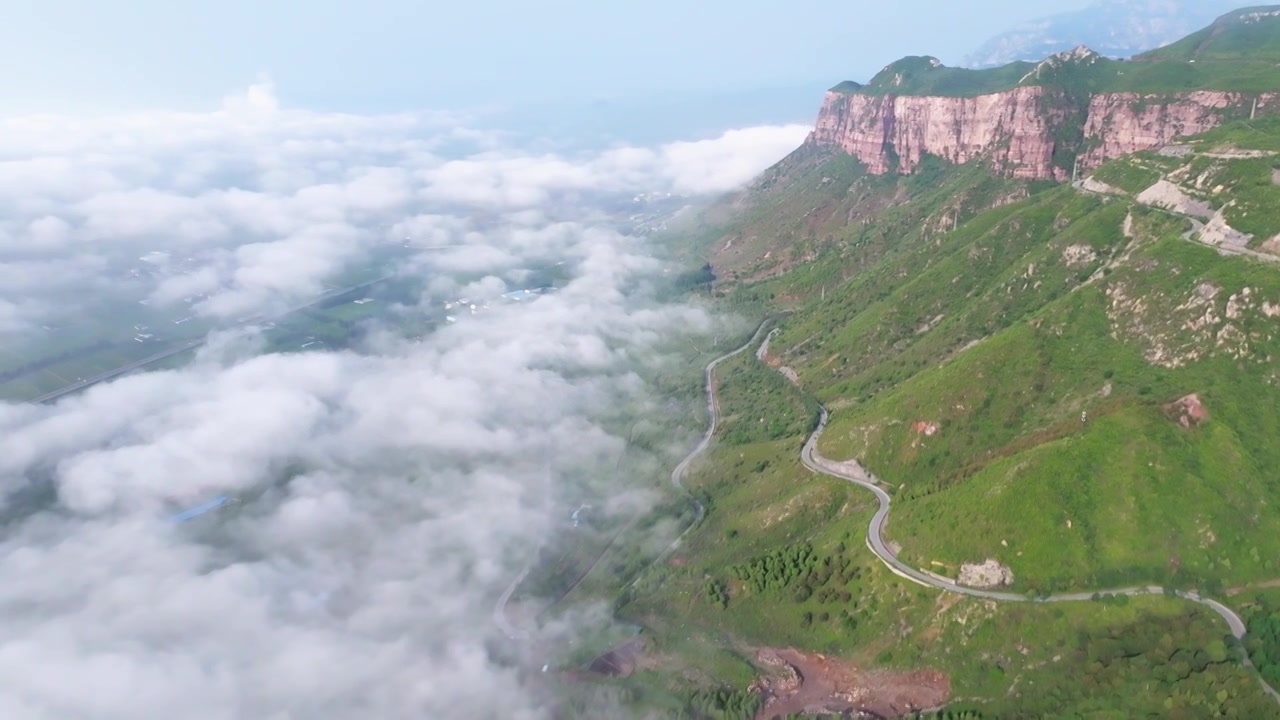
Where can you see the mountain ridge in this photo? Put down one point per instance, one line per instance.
(1074, 384)
(1072, 111)
(1116, 29)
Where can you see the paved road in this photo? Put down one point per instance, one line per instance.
(500, 610)
(677, 479)
(1197, 225)
(713, 420)
(185, 347)
(813, 460)
(117, 372)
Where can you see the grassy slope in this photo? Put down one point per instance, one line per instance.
(1227, 39)
(1003, 331)
(1009, 407)
(1008, 661)
(1017, 300)
(1244, 188)
(817, 219)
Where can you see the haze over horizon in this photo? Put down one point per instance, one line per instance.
(395, 55)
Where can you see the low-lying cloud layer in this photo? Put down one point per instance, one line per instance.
(271, 201)
(387, 495)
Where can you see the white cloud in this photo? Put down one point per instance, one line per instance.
(14, 317)
(48, 233)
(414, 483)
(388, 494)
(254, 173)
(405, 482)
(714, 166)
(703, 167)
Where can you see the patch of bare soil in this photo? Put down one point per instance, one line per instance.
(811, 683)
(988, 574)
(1171, 197)
(1187, 412)
(924, 427)
(619, 661)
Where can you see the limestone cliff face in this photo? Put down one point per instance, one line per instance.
(1123, 123)
(1018, 132)
(1014, 129)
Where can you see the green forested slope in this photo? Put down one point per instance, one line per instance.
(1043, 346)
(1079, 381)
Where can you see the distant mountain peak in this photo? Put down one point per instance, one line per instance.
(1113, 28)
(1080, 55)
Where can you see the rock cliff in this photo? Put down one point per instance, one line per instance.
(1123, 123)
(1032, 132)
(1013, 130)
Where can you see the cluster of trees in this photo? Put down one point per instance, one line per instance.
(829, 595)
(765, 407)
(692, 280)
(1152, 666)
(847, 620)
(1130, 641)
(717, 592)
(803, 571)
(720, 705)
(1149, 649)
(1263, 643)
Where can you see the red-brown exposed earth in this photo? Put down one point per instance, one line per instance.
(804, 682)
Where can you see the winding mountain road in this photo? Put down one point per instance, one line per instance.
(500, 616)
(713, 421)
(814, 460)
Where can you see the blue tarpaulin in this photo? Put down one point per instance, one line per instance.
(197, 511)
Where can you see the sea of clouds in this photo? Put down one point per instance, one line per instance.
(396, 489)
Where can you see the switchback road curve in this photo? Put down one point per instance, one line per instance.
(503, 621)
(814, 460)
(713, 421)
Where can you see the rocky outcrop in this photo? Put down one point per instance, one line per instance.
(989, 574)
(1029, 132)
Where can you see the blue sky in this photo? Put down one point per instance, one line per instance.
(89, 55)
